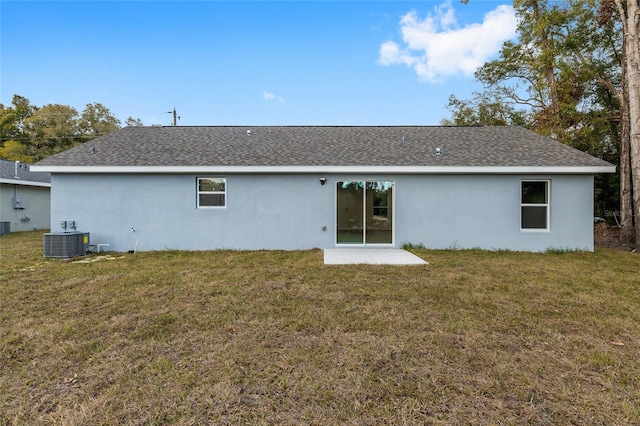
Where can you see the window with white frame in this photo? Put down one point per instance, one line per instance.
(534, 205)
(212, 192)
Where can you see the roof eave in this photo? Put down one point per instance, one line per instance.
(326, 169)
(25, 182)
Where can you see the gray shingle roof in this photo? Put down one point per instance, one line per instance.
(8, 171)
(397, 146)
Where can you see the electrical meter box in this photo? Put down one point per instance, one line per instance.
(19, 202)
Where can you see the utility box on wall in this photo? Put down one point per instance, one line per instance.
(65, 244)
(19, 202)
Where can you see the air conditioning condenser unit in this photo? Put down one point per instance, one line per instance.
(66, 244)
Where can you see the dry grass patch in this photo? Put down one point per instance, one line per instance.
(230, 337)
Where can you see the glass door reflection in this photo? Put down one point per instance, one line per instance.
(364, 212)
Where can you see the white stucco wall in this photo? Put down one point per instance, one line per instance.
(289, 211)
(264, 212)
(484, 212)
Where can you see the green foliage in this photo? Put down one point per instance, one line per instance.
(561, 250)
(51, 129)
(96, 120)
(16, 151)
(12, 117)
(411, 246)
(549, 79)
(133, 122)
(485, 109)
(29, 133)
(558, 78)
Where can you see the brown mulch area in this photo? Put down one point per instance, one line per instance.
(609, 237)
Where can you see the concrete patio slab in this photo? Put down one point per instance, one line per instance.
(351, 256)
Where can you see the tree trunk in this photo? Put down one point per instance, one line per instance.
(629, 11)
(549, 56)
(633, 79)
(627, 230)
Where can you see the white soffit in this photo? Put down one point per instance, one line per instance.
(25, 182)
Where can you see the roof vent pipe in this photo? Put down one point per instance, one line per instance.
(15, 173)
(438, 152)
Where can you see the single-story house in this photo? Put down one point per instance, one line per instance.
(24, 198)
(302, 187)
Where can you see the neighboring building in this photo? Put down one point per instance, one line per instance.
(24, 197)
(300, 187)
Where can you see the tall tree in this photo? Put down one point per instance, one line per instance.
(486, 108)
(539, 72)
(567, 72)
(29, 133)
(627, 93)
(605, 27)
(51, 129)
(629, 13)
(96, 120)
(12, 138)
(12, 118)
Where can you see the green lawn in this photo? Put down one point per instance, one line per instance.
(272, 337)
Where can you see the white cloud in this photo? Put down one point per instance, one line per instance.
(268, 96)
(436, 46)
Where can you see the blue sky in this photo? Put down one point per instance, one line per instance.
(257, 63)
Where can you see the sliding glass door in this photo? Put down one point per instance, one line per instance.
(379, 220)
(364, 212)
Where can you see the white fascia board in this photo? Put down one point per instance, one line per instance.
(25, 183)
(326, 169)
